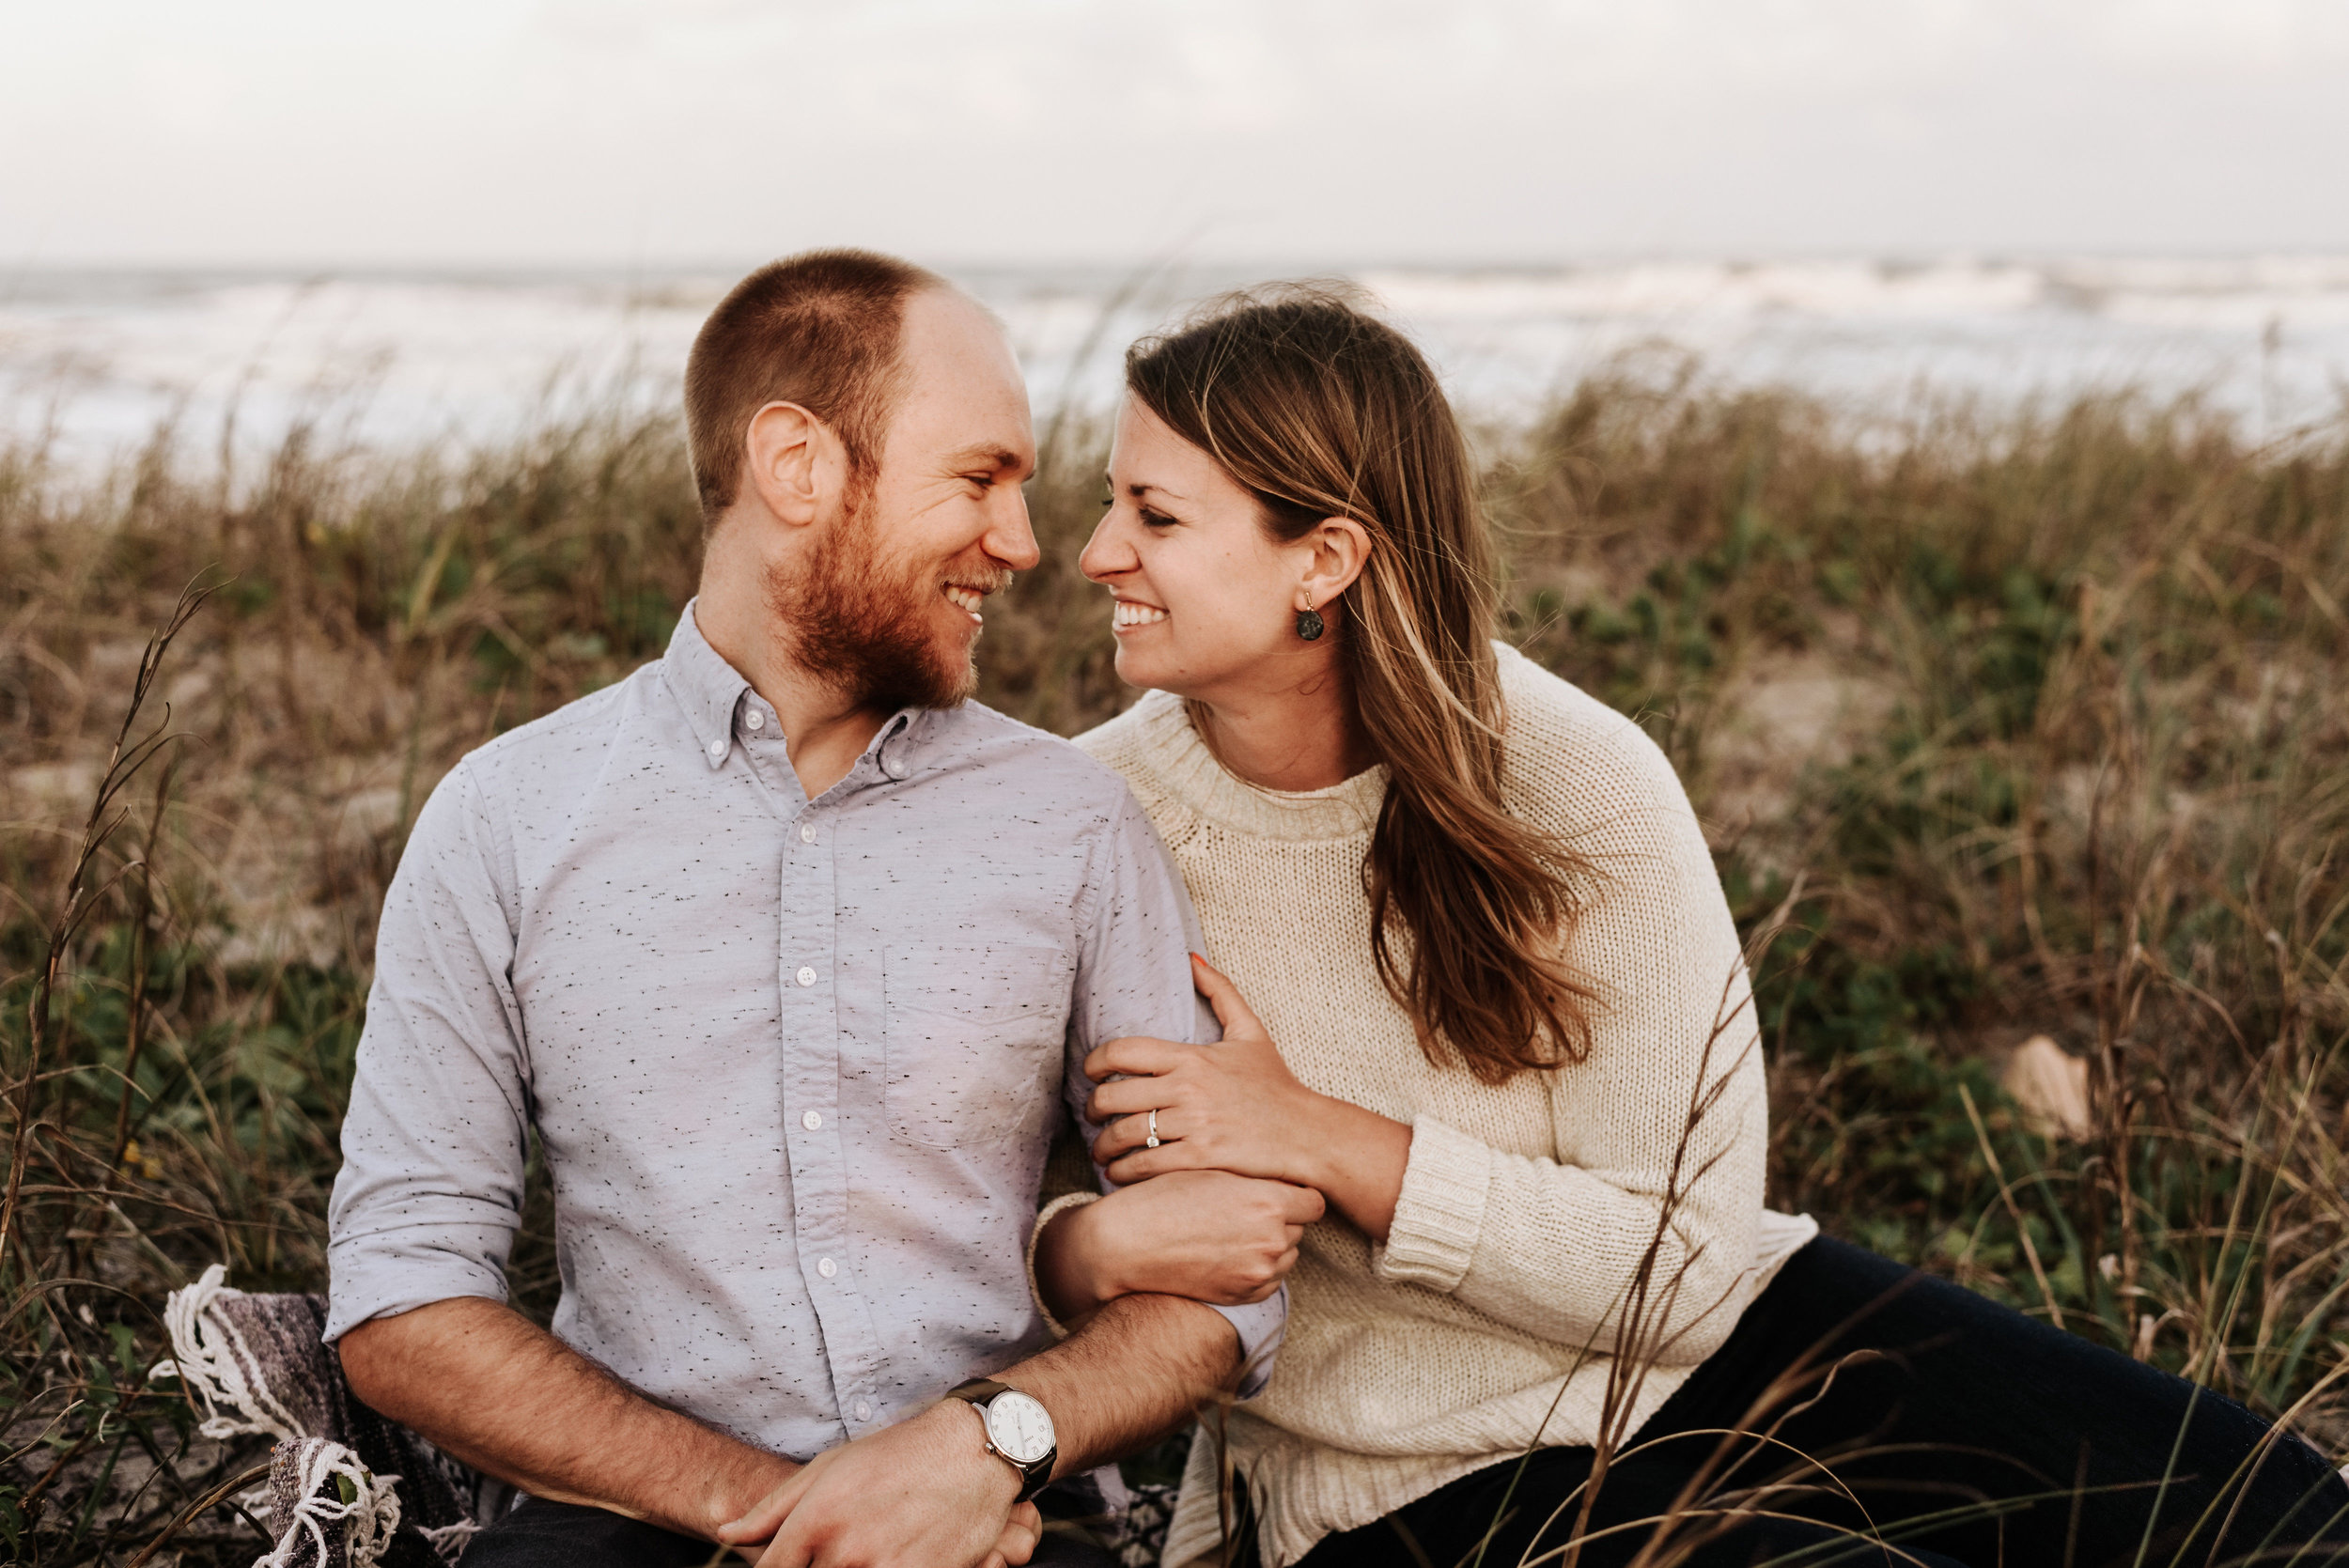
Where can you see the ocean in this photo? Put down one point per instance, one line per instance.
(93, 363)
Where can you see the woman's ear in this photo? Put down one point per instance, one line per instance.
(1338, 549)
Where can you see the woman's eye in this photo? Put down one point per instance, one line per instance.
(1156, 520)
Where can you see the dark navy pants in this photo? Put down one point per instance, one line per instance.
(1941, 1402)
(543, 1534)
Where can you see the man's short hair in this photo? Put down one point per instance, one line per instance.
(819, 329)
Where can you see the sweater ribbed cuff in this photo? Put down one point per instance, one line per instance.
(1051, 1212)
(1440, 1211)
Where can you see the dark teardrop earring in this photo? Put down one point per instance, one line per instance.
(1309, 623)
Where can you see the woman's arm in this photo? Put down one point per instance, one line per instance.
(1213, 1236)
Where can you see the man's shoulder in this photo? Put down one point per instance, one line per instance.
(559, 738)
(986, 738)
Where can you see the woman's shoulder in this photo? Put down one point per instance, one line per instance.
(1139, 742)
(1574, 759)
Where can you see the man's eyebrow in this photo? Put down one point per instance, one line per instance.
(987, 455)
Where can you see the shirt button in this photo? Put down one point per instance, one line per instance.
(717, 748)
(826, 1267)
(863, 1411)
(807, 977)
(808, 832)
(755, 720)
(812, 1122)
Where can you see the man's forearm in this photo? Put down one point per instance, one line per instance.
(1139, 1367)
(491, 1388)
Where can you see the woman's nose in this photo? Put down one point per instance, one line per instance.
(1107, 554)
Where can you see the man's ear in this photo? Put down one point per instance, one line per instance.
(1336, 550)
(794, 462)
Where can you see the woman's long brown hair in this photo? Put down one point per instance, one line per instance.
(1322, 410)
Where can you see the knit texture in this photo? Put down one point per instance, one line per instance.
(1489, 1321)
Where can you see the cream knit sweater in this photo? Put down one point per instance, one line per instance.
(1485, 1324)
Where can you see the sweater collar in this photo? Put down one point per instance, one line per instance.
(1193, 775)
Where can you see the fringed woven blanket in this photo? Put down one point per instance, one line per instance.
(346, 1488)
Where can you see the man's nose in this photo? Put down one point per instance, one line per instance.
(1010, 537)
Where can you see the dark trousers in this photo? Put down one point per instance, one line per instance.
(543, 1534)
(2034, 1446)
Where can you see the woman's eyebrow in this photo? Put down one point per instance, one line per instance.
(1138, 491)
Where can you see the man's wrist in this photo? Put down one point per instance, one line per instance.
(735, 1489)
(963, 1427)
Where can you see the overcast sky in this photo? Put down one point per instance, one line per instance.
(657, 133)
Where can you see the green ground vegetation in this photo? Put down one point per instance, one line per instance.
(2033, 724)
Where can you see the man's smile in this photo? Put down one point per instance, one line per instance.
(967, 595)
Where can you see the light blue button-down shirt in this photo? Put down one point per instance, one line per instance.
(795, 1064)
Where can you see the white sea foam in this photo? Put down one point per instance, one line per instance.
(89, 363)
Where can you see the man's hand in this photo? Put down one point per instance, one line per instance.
(923, 1494)
(926, 1494)
(1216, 1237)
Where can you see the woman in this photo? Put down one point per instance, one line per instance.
(1500, 1020)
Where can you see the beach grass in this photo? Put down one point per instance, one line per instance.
(2003, 725)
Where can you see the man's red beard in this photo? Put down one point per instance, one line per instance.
(864, 627)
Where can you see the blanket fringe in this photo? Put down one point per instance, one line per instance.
(364, 1525)
(211, 1362)
(449, 1542)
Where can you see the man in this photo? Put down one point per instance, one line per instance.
(782, 946)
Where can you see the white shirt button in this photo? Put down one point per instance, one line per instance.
(717, 748)
(863, 1411)
(808, 832)
(811, 1121)
(826, 1267)
(755, 720)
(807, 977)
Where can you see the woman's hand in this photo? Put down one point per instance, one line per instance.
(1216, 1237)
(1236, 1107)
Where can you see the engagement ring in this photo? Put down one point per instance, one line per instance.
(1152, 1142)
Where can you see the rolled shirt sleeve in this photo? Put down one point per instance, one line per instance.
(1134, 979)
(435, 1141)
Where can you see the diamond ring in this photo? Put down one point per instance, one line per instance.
(1152, 1142)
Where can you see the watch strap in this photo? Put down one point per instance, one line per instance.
(978, 1393)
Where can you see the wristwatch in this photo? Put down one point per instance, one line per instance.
(1018, 1431)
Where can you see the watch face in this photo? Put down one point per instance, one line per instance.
(1020, 1427)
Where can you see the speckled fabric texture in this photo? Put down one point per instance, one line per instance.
(795, 1064)
(1484, 1327)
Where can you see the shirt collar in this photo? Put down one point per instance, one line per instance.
(707, 687)
(710, 690)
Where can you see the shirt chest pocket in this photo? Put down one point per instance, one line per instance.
(973, 1038)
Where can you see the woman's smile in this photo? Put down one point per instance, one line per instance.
(1131, 615)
